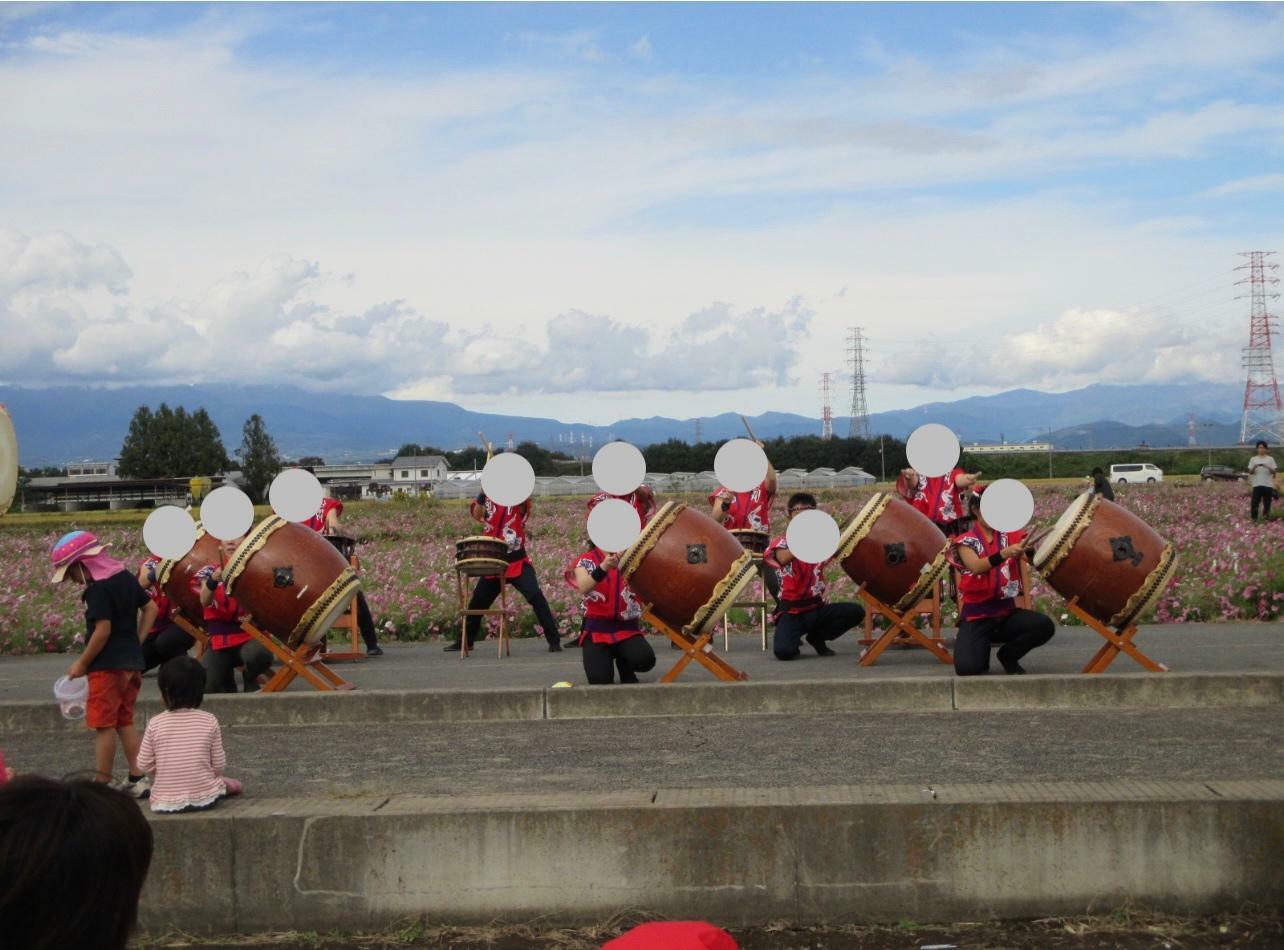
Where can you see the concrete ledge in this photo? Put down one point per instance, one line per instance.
(1127, 691)
(920, 694)
(811, 856)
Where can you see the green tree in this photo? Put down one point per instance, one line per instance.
(260, 461)
(170, 443)
(311, 461)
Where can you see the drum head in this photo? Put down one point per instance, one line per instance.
(1059, 530)
(317, 629)
(8, 461)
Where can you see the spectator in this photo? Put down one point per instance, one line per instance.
(1101, 484)
(1261, 475)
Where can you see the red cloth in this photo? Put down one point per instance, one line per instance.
(746, 509)
(317, 521)
(939, 498)
(222, 615)
(641, 498)
(993, 593)
(611, 610)
(508, 524)
(164, 609)
(674, 935)
(800, 582)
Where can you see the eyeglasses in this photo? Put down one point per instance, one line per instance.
(794, 511)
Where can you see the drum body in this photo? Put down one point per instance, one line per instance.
(481, 556)
(755, 542)
(687, 567)
(175, 576)
(893, 550)
(1115, 563)
(291, 579)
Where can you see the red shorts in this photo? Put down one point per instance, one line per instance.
(111, 698)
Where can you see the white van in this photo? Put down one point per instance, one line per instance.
(1136, 472)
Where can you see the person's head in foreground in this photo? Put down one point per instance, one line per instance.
(73, 858)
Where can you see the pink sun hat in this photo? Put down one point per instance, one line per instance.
(71, 548)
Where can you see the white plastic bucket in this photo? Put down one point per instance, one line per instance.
(72, 696)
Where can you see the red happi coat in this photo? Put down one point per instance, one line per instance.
(317, 521)
(802, 585)
(939, 497)
(992, 594)
(222, 614)
(611, 610)
(509, 525)
(641, 498)
(164, 608)
(746, 509)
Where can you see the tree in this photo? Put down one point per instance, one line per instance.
(169, 443)
(260, 462)
(311, 461)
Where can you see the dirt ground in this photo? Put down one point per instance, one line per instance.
(1121, 931)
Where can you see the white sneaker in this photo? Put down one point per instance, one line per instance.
(140, 789)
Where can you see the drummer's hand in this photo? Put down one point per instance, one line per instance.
(1013, 550)
(967, 481)
(610, 562)
(77, 669)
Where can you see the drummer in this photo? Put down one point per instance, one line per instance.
(326, 521)
(229, 645)
(801, 611)
(508, 524)
(641, 498)
(166, 639)
(748, 511)
(611, 634)
(940, 497)
(989, 585)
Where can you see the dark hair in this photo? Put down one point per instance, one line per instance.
(1097, 471)
(73, 858)
(182, 683)
(1262, 443)
(801, 498)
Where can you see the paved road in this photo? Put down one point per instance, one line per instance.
(728, 752)
(1210, 648)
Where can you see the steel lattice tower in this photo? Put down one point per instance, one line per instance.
(859, 426)
(827, 411)
(1263, 410)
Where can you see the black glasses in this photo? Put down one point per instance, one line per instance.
(794, 511)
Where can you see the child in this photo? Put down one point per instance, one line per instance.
(73, 858)
(113, 658)
(183, 748)
(229, 645)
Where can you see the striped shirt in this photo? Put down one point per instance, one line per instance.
(183, 752)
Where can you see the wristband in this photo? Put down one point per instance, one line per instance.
(481, 498)
(210, 583)
(598, 574)
(996, 559)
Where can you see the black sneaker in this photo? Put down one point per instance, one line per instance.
(554, 647)
(374, 651)
(452, 647)
(1011, 667)
(819, 646)
(570, 642)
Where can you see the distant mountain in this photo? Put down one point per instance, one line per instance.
(66, 423)
(1105, 434)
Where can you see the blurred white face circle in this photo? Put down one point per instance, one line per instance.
(618, 468)
(227, 513)
(1007, 505)
(933, 450)
(812, 536)
(295, 495)
(169, 532)
(508, 479)
(613, 525)
(740, 465)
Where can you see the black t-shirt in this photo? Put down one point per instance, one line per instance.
(116, 599)
(1102, 486)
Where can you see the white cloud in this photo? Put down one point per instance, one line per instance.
(1239, 186)
(641, 49)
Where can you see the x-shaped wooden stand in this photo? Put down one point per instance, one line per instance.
(700, 650)
(902, 623)
(1117, 641)
(293, 662)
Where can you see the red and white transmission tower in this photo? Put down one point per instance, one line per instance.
(827, 412)
(1190, 430)
(1263, 410)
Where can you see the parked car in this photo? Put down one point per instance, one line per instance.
(1136, 472)
(1221, 473)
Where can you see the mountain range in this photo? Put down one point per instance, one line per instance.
(59, 424)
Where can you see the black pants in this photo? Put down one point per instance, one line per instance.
(632, 656)
(773, 583)
(1019, 632)
(826, 622)
(526, 584)
(365, 622)
(220, 667)
(171, 642)
(1263, 495)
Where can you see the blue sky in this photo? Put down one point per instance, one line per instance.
(602, 210)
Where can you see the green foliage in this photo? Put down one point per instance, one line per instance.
(260, 461)
(807, 452)
(170, 443)
(1176, 461)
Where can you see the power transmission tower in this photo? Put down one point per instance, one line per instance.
(859, 426)
(827, 412)
(1190, 431)
(1263, 410)
(508, 445)
(699, 432)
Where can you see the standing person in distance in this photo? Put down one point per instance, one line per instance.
(1261, 475)
(748, 510)
(1101, 485)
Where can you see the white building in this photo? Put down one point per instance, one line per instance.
(91, 469)
(415, 474)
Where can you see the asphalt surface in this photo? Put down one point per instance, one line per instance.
(1189, 648)
(571, 756)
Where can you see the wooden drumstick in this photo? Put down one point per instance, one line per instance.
(752, 437)
(490, 450)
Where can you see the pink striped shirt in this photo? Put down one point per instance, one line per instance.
(183, 752)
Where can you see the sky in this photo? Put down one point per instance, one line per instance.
(601, 211)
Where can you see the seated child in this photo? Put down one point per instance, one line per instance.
(182, 747)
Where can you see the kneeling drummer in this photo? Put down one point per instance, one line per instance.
(611, 636)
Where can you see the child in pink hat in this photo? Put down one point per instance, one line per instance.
(113, 657)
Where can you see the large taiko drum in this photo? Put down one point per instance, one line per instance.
(481, 556)
(1100, 552)
(175, 576)
(687, 567)
(755, 542)
(291, 579)
(893, 550)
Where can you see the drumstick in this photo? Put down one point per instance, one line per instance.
(749, 430)
(486, 445)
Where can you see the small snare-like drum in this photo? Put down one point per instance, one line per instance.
(345, 546)
(480, 556)
(1102, 553)
(755, 542)
(174, 577)
(687, 567)
(893, 550)
(291, 579)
